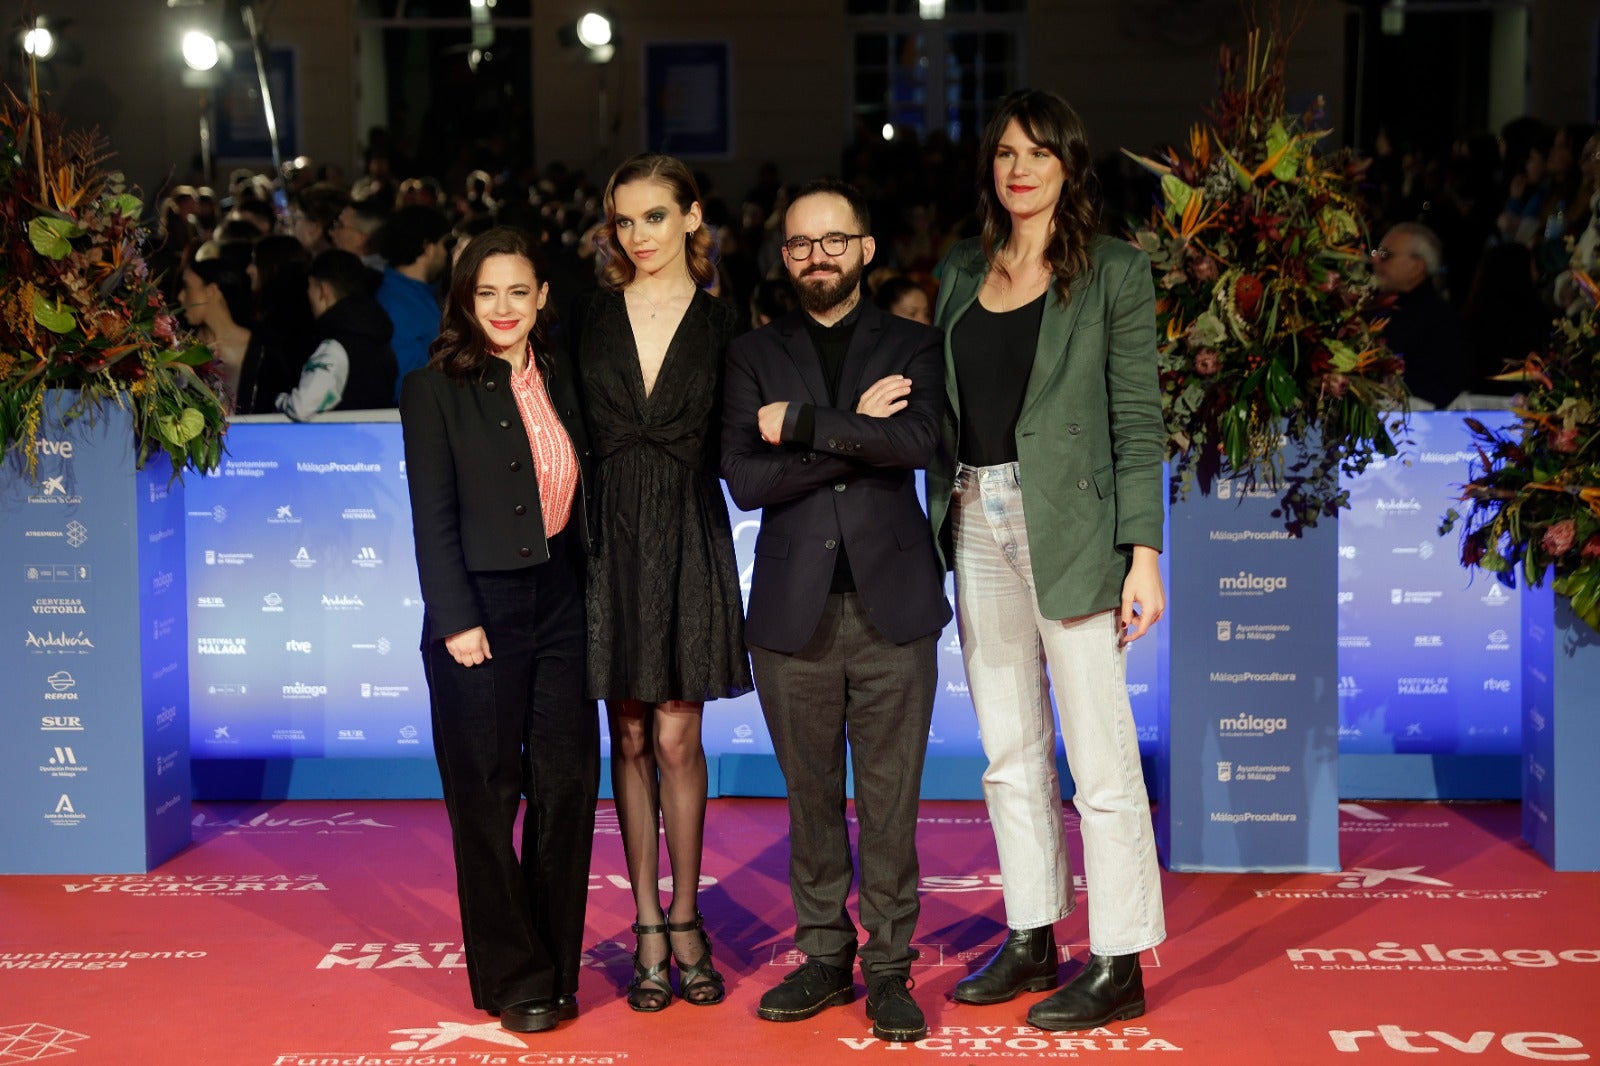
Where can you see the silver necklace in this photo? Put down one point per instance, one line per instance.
(654, 307)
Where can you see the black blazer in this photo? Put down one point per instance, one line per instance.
(852, 484)
(474, 492)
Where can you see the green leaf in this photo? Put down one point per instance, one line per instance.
(52, 237)
(1344, 357)
(51, 315)
(1339, 224)
(127, 205)
(1288, 165)
(183, 429)
(1177, 194)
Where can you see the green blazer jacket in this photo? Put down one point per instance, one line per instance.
(1090, 435)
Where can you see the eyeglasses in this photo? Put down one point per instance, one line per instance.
(832, 244)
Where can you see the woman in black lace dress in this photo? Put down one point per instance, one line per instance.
(666, 629)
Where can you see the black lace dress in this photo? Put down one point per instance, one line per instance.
(666, 620)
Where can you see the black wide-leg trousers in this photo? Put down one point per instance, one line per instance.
(519, 726)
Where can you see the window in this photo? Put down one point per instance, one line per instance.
(925, 75)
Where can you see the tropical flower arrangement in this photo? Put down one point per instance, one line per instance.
(1272, 364)
(78, 307)
(1534, 497)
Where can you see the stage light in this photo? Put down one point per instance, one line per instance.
(39, 43)
(930, 10)
(888, 131)
(594, 31)
(200, 50)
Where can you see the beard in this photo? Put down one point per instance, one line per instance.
(821, 295)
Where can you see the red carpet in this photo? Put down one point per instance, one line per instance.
(326, 933)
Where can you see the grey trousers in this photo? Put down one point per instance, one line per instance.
(850, 684)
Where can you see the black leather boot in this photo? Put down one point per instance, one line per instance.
(1110, 988)
(1026, 962)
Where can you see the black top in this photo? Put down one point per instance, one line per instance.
(993, 352)
(832, 344)
(1426, 332)
(361, 325)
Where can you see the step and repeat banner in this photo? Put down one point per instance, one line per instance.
(305, 612)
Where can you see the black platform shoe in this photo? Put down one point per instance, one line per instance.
(1110, 988)
(1026, 962)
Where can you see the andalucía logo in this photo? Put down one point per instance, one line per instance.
(1404, 882)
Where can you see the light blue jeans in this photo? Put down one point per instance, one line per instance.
(1006, 645)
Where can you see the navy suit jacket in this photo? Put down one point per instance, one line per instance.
(852, 485)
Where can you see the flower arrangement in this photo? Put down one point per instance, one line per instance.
(1271, 360)
(1535, 489)
(78, 307)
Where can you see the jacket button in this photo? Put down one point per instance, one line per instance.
(505, 423)
(491, 385)
(839, 487)
(525, 552)
(519, 509)
(832, 443)
(515, 466)
(830, 544)
(1083, 483)
(1073, 428)
(805, 458)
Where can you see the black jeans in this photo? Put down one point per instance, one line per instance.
(518, 725)
(849, 683)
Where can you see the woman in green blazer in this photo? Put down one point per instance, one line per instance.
(1046, 496)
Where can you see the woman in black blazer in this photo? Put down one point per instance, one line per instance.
(495, 451)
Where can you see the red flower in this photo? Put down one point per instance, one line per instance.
(1247, 294)
(1591, 547)
(1203, 269)
(1207, 362)
(1321, 360)
(1268, 225)
(1473, 549)
(1564, 439)
(1559, 538)
(164, 328)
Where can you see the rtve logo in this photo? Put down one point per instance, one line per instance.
(1544, 1047)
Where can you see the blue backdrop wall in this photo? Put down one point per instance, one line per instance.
(304, 615)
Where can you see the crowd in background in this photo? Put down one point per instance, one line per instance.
(1512, 215)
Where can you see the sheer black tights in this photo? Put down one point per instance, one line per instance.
(658, 777)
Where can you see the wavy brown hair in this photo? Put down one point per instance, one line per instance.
(1049, 122)
(616, 269)
(462, 348)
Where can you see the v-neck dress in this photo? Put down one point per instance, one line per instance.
(666, 618)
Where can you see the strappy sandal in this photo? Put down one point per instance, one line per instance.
(651, 988)
(698, 983)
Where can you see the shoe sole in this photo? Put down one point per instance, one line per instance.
(1038, 984)
(1121, 1014)
(839, 998)
(895, 1036)
(529, 1025)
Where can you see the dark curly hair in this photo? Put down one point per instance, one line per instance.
(462, 348)
(616, 269)
(1049, 122)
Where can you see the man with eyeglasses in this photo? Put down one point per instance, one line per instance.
(1423, 330)
(828, 412)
